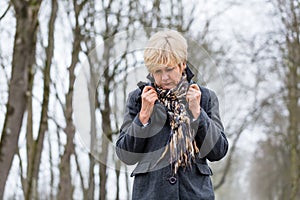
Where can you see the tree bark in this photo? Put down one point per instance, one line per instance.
(35, 154)
(290, 18)
(117, 170)
(26, 13)
(92, 88)
(93, 142)
(65, 188)
(106, 136)
(29, 130)
(293, 108)
(106, 122)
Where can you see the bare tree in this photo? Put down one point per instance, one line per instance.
(289, 13)
(36, 147)
(26, 13)
(276, 161)
(269, 177)
(65, 188)
(89, 24)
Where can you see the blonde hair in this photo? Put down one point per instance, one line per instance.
(165, 48)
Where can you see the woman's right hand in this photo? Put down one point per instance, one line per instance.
(149, 96)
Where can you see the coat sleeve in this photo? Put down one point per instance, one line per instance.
(210, 136)
(133, 138)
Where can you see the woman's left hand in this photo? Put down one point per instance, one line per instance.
(193, 97)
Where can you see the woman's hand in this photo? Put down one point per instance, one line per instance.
(149, 96)
(193, 97)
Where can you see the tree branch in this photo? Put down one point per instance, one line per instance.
(80, 173)
(5, 12)
(252, 117)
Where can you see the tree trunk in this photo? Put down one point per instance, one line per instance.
(51, 172)
(293, 108)
(65, 188)
(292, 82)
(117, 170)
(106, 122)
(23, 58)
(29, 131)
(92, 86)
(35, 155)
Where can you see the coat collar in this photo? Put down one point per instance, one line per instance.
(189, 73)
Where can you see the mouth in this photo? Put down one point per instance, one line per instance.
(166, 85)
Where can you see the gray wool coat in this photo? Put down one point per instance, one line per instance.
(144, 145)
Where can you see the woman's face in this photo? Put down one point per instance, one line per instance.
(168, 76)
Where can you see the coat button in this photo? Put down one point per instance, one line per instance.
(172, 180)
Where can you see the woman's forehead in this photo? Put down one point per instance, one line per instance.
(162, 66)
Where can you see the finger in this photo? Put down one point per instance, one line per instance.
(195, 86)
(152, 91)
(151, 98)
(148, 88)
(193, 92)
(151, 95)
(193, 95)
(149, 92)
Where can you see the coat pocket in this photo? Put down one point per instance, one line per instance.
(204, 169)
(141, 168)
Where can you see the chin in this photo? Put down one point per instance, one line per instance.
(168, 87)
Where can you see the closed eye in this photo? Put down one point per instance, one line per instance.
(170, 69)
(157, 71)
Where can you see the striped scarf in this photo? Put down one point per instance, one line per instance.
(182, 145)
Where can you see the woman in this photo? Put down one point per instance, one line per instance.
(171, 127)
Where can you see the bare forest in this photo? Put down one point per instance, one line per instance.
(67, 67)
